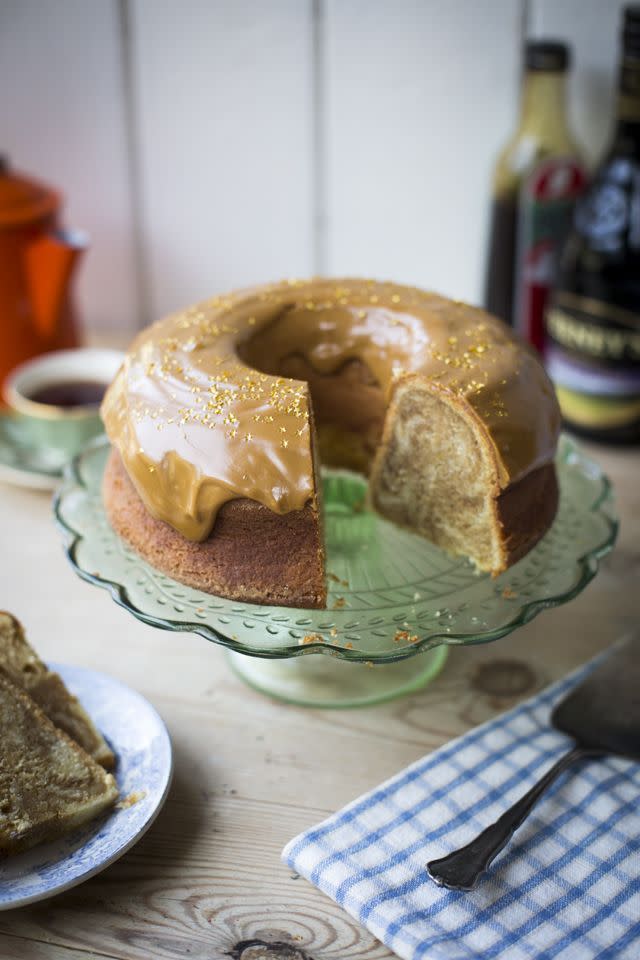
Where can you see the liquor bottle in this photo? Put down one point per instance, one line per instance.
(593, 322)
(537, 179)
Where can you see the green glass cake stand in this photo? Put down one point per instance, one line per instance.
(396, 603)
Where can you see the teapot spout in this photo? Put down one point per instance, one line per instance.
(50, 262)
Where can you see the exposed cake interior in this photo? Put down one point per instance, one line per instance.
(430, 471)
(434, 476)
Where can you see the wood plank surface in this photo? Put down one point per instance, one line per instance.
(420, 97)
(223, 103)
(215, 143)
(63, 120)
(206, 881)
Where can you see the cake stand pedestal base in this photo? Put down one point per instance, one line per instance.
(317, 680)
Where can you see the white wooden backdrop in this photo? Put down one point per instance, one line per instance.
(206, 144)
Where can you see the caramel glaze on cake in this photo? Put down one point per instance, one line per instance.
(220, 415)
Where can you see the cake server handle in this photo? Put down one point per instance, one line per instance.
(462, 869)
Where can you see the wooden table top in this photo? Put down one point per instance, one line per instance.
(206, 881)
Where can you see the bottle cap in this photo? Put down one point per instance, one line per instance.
(547, 55)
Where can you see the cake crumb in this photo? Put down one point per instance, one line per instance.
(333, 632)
(348, 645)
(131, 799)
(338, 603)
(403, 636)
(509, 594)
(310, 638)
(336, 579)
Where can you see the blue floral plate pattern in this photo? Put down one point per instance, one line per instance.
(144, 767)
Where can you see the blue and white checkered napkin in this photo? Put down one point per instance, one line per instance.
(567, 886)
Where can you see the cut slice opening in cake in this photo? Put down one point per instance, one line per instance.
(430, 466)
(434, 475)
(348, 400)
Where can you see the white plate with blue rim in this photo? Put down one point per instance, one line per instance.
(144, 766)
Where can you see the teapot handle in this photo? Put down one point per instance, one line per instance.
(50, 261)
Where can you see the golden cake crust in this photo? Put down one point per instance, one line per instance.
(252, 553)
(526, 510)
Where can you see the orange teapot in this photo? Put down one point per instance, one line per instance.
(37, 261)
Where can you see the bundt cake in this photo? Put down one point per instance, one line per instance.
(220, 417)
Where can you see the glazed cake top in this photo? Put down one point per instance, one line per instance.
(196, 426)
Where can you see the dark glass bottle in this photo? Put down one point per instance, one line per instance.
(593, 323)
(536, 180)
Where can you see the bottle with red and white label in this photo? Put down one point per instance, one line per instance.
(538, 177)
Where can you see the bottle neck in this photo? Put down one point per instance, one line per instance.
(543, 112)
(628, 110)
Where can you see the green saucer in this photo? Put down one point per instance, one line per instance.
(392, 595)
(25, 465)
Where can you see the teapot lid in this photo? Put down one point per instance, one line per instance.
(23, 200)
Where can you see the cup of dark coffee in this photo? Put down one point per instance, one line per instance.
(55, 398)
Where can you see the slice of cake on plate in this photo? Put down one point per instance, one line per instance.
(22, 665)
(48, 784)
